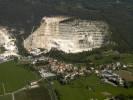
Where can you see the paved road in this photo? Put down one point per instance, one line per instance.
(13, 98)
(51, 91)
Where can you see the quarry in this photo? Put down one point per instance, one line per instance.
(71, 35)
(8, 43)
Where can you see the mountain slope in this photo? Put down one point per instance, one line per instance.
(24, 14)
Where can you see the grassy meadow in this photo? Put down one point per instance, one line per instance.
(14, 76)
(86, 88)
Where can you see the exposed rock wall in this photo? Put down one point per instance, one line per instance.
(3, 36)
(68, 34)
(8, 42)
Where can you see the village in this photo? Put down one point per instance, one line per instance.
(66, 72)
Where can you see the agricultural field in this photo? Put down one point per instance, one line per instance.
(40, 93)
(127, 58)
(86, 88)
(14, 76)
(7, 97)
(126, 75)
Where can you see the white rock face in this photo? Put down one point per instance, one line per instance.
(8, 43)
(3, 36)
(67, 34)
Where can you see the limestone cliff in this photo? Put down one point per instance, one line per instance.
(68, 34)
(8, 42)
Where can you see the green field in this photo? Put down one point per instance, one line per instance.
(7, 97)
(88, 87)
(14, 76)
(127, 58)
(33, 94)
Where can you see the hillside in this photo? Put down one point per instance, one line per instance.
(24, 14)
